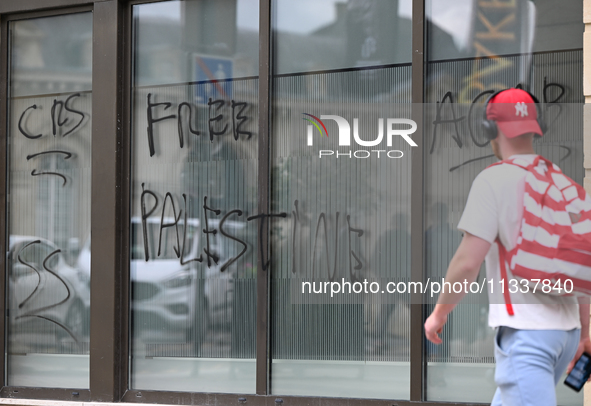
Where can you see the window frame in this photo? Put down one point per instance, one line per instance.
(109, 332)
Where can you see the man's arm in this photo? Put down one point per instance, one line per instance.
(464, 265)
(584, 342)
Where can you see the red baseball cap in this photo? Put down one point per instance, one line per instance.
(515, 112)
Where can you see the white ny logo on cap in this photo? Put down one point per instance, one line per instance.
(521, 108)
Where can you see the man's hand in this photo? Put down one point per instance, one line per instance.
(585, 342)
(584, 346)
(434, 326)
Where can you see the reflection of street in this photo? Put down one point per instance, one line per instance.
(26, 343)
(389, 347)
(213, 370)
(368, 379)
(49, 302)
(49, 370)
(195, 375)
(216, 341)
(48, 359)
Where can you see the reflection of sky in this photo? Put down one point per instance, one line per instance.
(169, 9)
(453, 17)
(305, 16)
(247, 12)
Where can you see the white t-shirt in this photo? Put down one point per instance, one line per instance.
(495, 207)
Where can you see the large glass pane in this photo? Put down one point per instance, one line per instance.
(347, 207)
(49, 183)
(193, 186)
(330, 34)
(475, 48)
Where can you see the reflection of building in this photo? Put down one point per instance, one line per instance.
(51, 62)
(50, 88)
(347, 216)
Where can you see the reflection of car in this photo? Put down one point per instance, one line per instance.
(219, 286)
(168, 297)
(165, 294)
(45, 289)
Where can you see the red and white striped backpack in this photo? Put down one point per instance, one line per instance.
(553, 250)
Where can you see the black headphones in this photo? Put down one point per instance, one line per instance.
(489, 127)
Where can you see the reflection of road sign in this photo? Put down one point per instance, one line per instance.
(215, 77)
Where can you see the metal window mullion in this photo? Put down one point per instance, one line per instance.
(127, 49)
(417, 360)
(3, 192)
(31, 11)
(106, 338)
(263, 279)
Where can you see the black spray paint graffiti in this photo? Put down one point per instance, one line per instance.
(355, 263)
(322, 219)
(180, 125)
(34, 172)
(439, 121)
(263, 217)
(59, 108)
(35, 312)
(212, 257)
(213, 107)
(215, 120)
(152, 121)
(62, 112)
(456, 121)
(225, 234)
(207, 231)
(241, 120)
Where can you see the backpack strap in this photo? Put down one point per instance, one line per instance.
(530, 167)
(502, 259)
(503, 255)
(501, 247)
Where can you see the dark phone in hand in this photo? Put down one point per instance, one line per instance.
(580, 373)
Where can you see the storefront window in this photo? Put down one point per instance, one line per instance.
(338, 140)
(193, 187)
(347, 207)
(473, 49)
(49, 183)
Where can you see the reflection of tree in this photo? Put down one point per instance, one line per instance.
(343, 184)
(440, 243)
(52, 54)
(368, 190)
(440, 246)
(327, 187)
(56, 211)
(390, 262)
(220, 171)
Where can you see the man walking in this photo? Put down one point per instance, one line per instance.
(534, 345)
